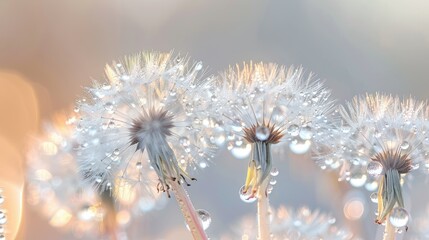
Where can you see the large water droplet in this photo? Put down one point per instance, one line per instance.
(262, 133)
(374, 197)
(399, 217)
(405, 145)
(2, 237)
(293, 130)
(299, 146)
(306, 133)
(242, 151)
(204, 218)
(246, 197)
(374, 168)
(358, 180)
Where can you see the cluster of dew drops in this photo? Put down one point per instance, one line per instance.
(3, 218)
(249, 197)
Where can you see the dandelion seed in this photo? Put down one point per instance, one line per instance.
(386, 139)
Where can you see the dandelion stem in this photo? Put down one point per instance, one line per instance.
(263, 212)
(389, 230)
(188, 211)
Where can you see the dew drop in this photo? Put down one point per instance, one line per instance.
(246, 197)
(1, 230)
(273, 182)
(1, 199)
(274, 172)
(262, 133)
(374, 168)
(139, 165)
(306, 133)
(198, 66)
(3, 218)
(293, 130)
(358, 180)
(184, 141)
(108, 106)
(405, 145)
(2, 237)
(299, 146)
(116, 151)
(242, 151)
(76, 109)
(374, 197)
(205, 218)
(346, 129)
(98, 180)
(399, 217)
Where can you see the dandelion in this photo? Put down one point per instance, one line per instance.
(55, 188)
(387, 138)
(263, 105)
(149, 112)
(299, 224)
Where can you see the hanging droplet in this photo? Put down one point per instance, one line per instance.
(405, 145)
(205, 218)
(262, 133)
(299, 146)
(273, 182)
(399, 217)
(246, 197)
(274, 172)
(293, 130)
(2, 237)
(76, 109)
(306, 133)
(374, 197)
(242, 151)
(98, 180)
(374, 168)
(1, 229)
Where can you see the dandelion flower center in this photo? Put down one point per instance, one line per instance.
(151, 126)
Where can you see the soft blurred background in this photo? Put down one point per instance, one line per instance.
(50, 49)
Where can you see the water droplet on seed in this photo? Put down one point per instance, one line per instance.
(293, 130)
(399, 217)
(374, 168)
(262, 133)
(405, 145)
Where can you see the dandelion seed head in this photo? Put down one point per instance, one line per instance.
(151, 118)
(385, 140)
(54, 184)
(266, 105)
